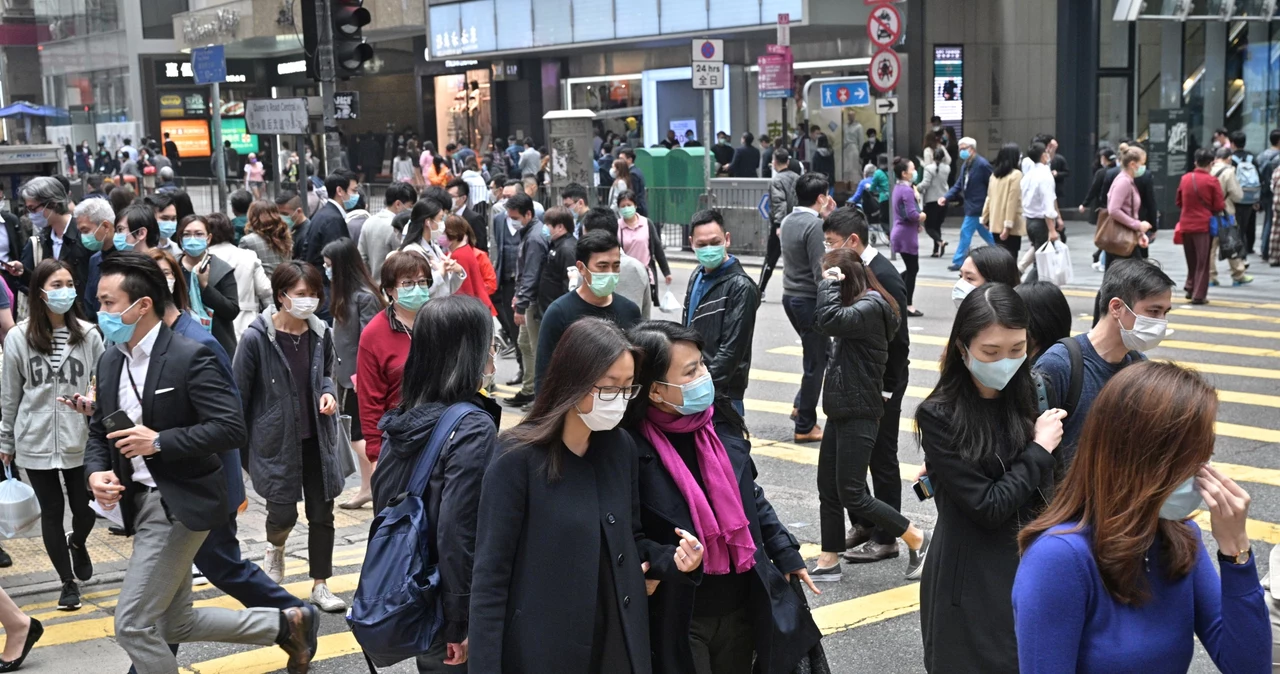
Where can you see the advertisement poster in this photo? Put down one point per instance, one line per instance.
(191, 136)
(948, 85)
(236, 131)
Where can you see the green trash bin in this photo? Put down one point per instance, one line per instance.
(653, 163)
(685, 185)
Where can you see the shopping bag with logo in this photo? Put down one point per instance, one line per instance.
(1053, 262)
(18, 506)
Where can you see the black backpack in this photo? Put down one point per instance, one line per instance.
(1047, 398)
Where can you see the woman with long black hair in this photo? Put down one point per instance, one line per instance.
(423, 236)
(559, 575)
(1002, 212)
(700, 478)
(990, 463)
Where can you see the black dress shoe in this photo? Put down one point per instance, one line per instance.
(858, 535)
(518, 380)
(5, 560)
(519, 400)
(33, 635)
(871, 551)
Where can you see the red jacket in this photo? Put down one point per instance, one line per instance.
(1200, 202)
(379, 373)
(473, 285)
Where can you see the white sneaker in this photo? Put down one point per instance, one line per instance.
(198, 578)
(273, 563)
(323, 598)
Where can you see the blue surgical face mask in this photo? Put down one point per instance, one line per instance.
(38, 221)
(328, 273)
(113, 326)
(168, 228)
(698, 395)
(194, 246)
(1183, 501)
(412, 298)
(352, 200)
(91, 242)
(602, 284)
(546, 231)
(121, 241)
(965, 154)
(710, 257)
(60, 300)
(995, 374)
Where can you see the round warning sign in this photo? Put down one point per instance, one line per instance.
(885, 70)
(884, 26)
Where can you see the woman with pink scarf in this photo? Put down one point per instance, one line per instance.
(701, 479)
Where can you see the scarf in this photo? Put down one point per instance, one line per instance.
(719, 520)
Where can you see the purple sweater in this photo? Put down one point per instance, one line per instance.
(1066, 621)
(904, 236)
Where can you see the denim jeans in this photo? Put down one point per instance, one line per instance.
(800, 311)
(968, 228)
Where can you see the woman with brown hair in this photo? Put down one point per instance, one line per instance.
(1114, 576)
(622, 182)
(459, 238)
(267, 234)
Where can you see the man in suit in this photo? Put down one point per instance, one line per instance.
(746, 159)
(847, 227)
(460, 192)
(504, 256)
(172, 410)
(171, 151)
(329, 222)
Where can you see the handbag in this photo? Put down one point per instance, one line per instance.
(1113, 237)
(1053, 261)
(1223, 226)
(19, 508)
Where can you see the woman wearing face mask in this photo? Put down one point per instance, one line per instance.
(1124, 204)
(354, 302)
(50, 356)
(268, 235)
(699, 478)
(211, 283)
(384, 343)
(1002, 211)
(908, 221)
(622, 182)
(988, 264)
(641, 239)
(559, 574)
(457, 239)
(422, 236)
(859, 314)
(450, 363)
(172, 276)
(1114, 576)
(284, 370)
(990, 466)
(254, 180)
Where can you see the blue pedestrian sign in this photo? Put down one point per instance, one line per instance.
(763, 207)
(209, 64)
(845, 94)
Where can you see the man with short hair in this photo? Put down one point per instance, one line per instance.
(782, 200)
(49, 207)
(505, 256)
(240, 200)
(720, 304)
(93, 187)
(230, 162)
(560, 256)
(460, 194)
(530, 159)
(171, 150)
(1137, 297)
(329, 223)
(598, 261)
(1225, 171)
(529, 185)
(722, 153)
(746, 159)
(1250, 177)
(802, 251)
(166, 223)
(574, 198)
(532, 256)
(633, 280)
(96, 222)
(971, 187)
(378, 238)
(513, 157)
(847, 228)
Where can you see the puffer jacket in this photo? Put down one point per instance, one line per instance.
(860, 335)
(726, 319)
(273, 413)
(452, 498)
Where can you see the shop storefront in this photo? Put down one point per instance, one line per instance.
(458, 99)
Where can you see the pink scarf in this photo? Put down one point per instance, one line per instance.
(718, 517)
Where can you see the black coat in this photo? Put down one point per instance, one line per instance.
(783, 631)
(896, 374)
(73, 253)
(189, 400)
(538, 557)
(477, 222)
(860, 335)
(746, 162)
(327, 225)
(966, 605)
(726, 319)
(554, 280)
(453, 492)
(221, 299)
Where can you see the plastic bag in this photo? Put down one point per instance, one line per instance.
(18, 506)
(670, 303)
(1053, 263)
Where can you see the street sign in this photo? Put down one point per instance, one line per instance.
(885, 70)
(884, 26)
(763, 207)
(708, 74)
(784, 30)
(775, 79)
(887, 106)
(278, 116)
(845, 94)
(708, 50)
(346, 105)
(209, 64)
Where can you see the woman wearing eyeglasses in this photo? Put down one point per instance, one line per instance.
(559, 575)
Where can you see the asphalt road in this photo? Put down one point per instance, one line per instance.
(871, 617)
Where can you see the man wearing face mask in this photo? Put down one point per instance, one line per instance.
(167, 223)
(599, 262)
(1137, 297)
(96, 223)
(329, 223)
(971, 188)
(531, 255)
(49, 208)
(460, 191)
(378, 238)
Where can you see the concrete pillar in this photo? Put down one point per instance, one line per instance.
(1214, 82)
(1171, 76)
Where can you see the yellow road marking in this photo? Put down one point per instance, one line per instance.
(1090, 294)
(872, 608)
(272, 659)
(1212, 329)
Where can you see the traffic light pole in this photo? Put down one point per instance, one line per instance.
(328, 75)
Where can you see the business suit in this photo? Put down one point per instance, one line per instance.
(73, 253)
(477, 222)
(190, 404)
(506, 249)
(327, 225)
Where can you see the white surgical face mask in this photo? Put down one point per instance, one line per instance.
(301, 308)
(1146, 334)
(1183, 501)
(605, 415)
(961, 290)
(169, 282)
(995, 374)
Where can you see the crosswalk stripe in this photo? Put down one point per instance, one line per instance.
(1090, 294)
(933, 340)
(1211, 329)
(272, 659)
(1227, 315)
(872, 608)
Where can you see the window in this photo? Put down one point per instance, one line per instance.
(157, 18)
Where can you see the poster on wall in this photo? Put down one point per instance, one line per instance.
(948, 85)
(236, 131)
(684, 126)
(191, 136)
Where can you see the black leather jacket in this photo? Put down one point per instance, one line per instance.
(860, 336)
(726, 319)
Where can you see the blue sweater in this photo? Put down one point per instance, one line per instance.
(972, 185)
(1066, 621)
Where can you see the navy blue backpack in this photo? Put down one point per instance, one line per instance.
(397, 609)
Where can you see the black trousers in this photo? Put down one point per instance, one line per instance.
(1013, 244)
(800, 311)
(1247, 218)
(843, 460)
(886, 480)
(281, 517)
(909, 276)
(934, 215)
(722, 644)
(506, 313)
(48, 487)
(773, 251)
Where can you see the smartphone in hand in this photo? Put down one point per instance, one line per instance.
(923, 488)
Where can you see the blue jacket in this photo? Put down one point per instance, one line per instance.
(971, 186)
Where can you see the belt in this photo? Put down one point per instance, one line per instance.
(145, 489)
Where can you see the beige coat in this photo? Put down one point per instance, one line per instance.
(1226, 174)
(1003, 208)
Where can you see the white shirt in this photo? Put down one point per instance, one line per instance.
(136, 365)
(57, 244)
(341, 210)
(1039, 193)
(868, 254)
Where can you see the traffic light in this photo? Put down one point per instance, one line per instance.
(350, 51)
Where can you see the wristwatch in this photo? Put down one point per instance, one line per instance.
(156, 444)
(1239, 560)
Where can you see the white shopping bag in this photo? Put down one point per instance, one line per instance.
(670, 303)
(1053, 263)
(18, 506)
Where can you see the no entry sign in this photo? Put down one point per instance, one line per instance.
(884, 26)
(885, 70)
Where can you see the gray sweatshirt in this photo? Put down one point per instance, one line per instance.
(45, 433)
(802, 251)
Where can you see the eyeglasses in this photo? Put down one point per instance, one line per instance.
(405, 285)
(609, 393)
